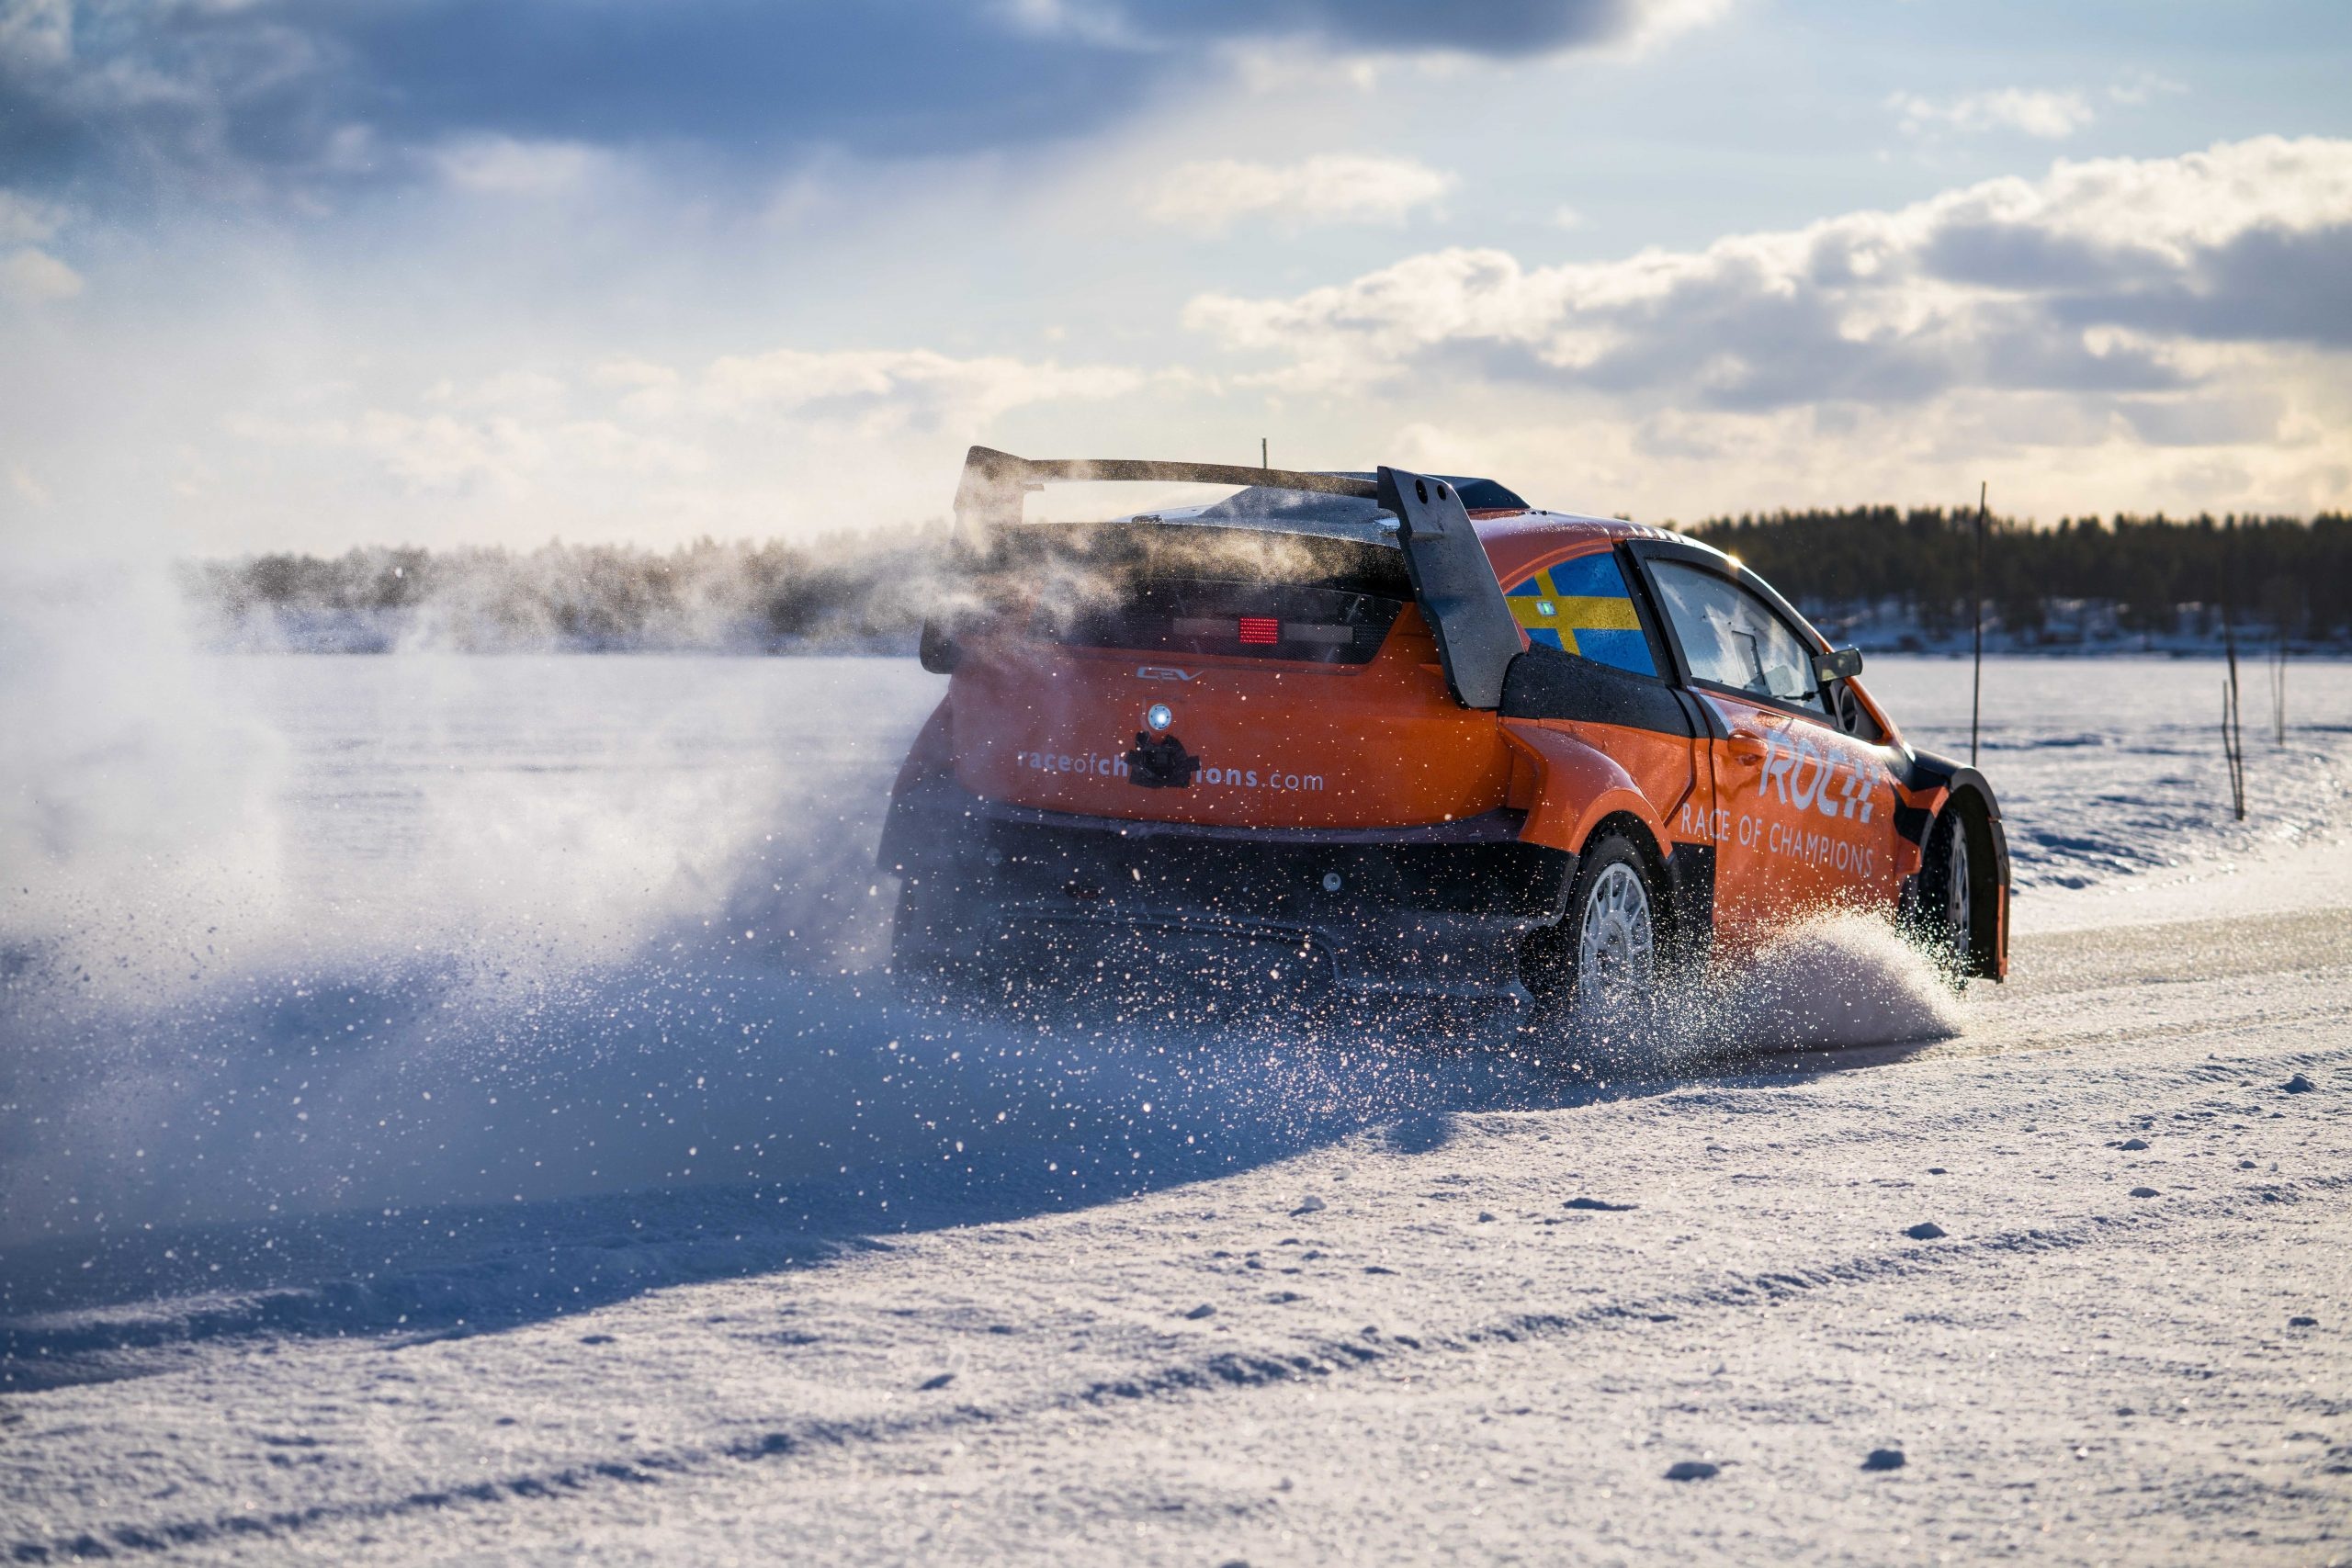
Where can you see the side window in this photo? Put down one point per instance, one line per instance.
(1732, 638)
(1582, 606)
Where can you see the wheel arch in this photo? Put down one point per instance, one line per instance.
(1956, 791)
(1971, 808)
(1578, 787)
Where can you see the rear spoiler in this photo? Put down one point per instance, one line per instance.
(1478, 637)
(988, 495)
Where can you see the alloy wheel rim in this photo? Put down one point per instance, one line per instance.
(1619, 949)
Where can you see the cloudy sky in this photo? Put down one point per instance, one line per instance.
(281, 275)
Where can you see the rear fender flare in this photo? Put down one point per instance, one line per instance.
(1577, 786)
(932, 756)
(1988, 944)
(933, 752)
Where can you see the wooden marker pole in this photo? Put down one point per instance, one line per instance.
(2278, 692)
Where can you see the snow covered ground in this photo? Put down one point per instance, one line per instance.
(447, 1110)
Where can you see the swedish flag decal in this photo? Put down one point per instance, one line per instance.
(1580, 606)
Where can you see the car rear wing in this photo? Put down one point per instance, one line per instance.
(1454, 583)
(989, 496)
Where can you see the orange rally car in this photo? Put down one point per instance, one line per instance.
(1399, 734)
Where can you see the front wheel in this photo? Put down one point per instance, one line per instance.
(1947, 890)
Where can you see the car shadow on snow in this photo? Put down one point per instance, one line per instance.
(641, 1131)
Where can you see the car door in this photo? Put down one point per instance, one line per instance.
(1805, 813)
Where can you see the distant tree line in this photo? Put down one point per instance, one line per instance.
(2149, 575)
(2276, 574)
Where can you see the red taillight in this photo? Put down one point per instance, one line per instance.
(1260, 629)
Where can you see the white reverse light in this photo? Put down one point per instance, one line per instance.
(1159, 715)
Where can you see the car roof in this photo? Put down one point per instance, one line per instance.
(1516, 534)
(1518, 542)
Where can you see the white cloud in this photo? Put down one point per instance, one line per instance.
(37, 32)
(2143, 86)
(1996, 282)
(26, 221)
(646, 389)
(2112, 305)
(27, 488)
(2052, 116)
(28, 275)
(502, 165)
(32, 276)
(1328, 189)
(627, 434)
(1516, 30)
(1661, 20)
(502, 458)
(889, 388)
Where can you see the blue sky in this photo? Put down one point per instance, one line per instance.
(278, 275)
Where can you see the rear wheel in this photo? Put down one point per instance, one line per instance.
(933, 946)
(1604, 951)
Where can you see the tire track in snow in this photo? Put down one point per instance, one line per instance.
(1235, 1371)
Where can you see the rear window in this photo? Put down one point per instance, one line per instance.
(1252, 620)
(1172, 588)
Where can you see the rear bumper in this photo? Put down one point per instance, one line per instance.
(1438, 912)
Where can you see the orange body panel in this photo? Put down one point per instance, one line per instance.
(1282, 744)
(1577, 784)
(1523, 542)
(1803, 820)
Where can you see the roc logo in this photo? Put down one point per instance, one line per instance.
(1805, 775)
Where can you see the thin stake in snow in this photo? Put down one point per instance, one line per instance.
(2231, 744)
(1977, 598)
(2279, 689)
(2232, 736)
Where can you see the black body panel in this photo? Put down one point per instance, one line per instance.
(1691, 903)
(1544, 682)
(1436, 911)
(1478, 637)
(1927, 771)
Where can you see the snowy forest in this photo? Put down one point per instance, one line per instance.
(2150, 579)
(1888, 576)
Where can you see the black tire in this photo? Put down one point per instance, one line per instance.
(1616, 885)
(1943, 922)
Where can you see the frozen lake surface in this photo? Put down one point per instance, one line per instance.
(591, 790)
(370, 1002)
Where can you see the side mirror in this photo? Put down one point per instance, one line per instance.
(1838, 664)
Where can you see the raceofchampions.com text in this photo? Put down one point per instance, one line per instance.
(1096, 764)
